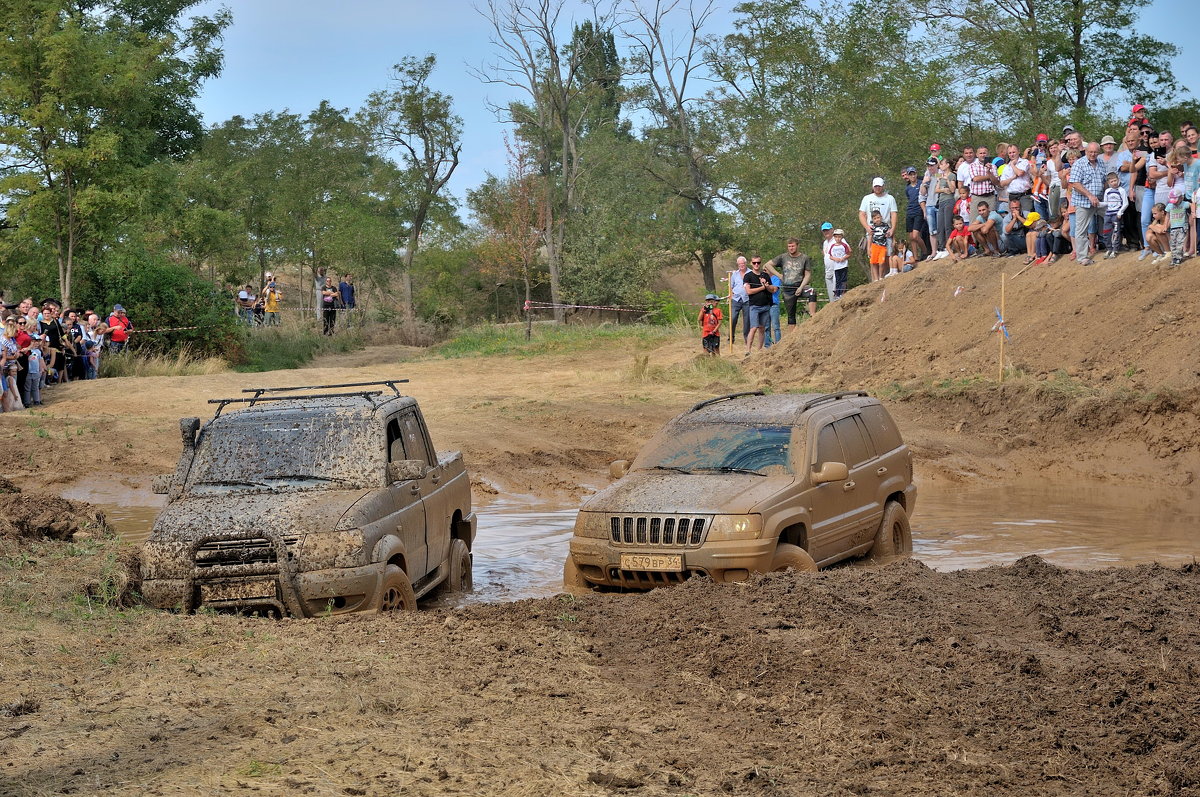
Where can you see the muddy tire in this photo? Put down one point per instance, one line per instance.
(894, 537)
(792, 557)
(460, 578)
(573, 581)
(396, 592)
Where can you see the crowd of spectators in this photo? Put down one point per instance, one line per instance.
(43, 345)
(1055, 198)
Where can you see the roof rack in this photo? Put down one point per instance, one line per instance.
(706, 402)
(808, 405)
(222, 403)
(258, 391)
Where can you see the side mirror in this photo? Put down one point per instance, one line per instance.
(831, 472)
(161, 484)
(619, 468)
(406, 470)
(187, 430)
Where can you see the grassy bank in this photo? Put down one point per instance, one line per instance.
(280, 348)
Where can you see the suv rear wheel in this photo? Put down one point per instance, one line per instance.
(460, 578)
(792, 557)
(894, 537)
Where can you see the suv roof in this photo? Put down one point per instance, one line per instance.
(756, 407)
(373, 399)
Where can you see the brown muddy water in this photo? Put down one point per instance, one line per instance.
(522, 542)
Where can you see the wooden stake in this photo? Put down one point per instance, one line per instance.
(729, 284)
(1002, 323)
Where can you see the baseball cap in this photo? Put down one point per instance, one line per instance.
(935, 147)
(839, 231)
(712, 297)
(1032, 218)
(1174, 197)
(1137, 107)
(1108, 140)
(878, 181)
(826, 226)
(910, 169)
(118, 308)
(1043, 137)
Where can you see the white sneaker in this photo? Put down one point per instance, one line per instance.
(1145, 254)
(1161, 257)
(940, 254)
(891, 273)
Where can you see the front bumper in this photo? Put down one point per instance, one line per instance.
(721, 560)
(334, 591)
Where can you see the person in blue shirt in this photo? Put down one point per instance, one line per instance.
(346, 290)
(773, 331)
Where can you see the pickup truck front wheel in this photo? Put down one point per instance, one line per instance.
(396, 593)
(792, 557)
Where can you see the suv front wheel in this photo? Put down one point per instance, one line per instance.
(792, 557)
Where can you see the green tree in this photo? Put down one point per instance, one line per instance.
(418, 123)
(92, 94)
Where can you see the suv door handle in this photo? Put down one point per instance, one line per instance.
(881, 471)
(434, 478)
(415, 489)
(847, 487)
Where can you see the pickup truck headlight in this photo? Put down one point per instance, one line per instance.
(328, 549)
(735, 527)
(591, 524)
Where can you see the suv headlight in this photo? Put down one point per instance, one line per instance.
(591, 524)
(735, 527)
(326, 549)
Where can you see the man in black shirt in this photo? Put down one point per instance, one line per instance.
(759, 290)
(794, 270)
(51, 329)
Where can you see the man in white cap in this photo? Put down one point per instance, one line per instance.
(879, 199)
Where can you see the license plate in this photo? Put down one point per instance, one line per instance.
(236, 590)
(663, 562)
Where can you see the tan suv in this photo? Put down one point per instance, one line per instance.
(750, 483)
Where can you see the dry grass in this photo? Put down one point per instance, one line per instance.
(180, 363)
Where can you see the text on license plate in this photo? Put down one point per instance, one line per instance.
(237, 590)
(668, 562)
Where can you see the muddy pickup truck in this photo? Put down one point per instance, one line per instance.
(749, 483)
(309, 501)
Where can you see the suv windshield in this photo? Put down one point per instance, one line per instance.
(272, 451)
(721, 447)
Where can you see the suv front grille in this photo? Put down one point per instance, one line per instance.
(256, 550)
(673, 531)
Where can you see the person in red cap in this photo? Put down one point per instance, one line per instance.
(1138, 113)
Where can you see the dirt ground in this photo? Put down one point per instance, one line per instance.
(1026, 679)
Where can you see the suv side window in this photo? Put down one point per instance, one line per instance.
(828, 447)
(414, 438)
(882, 428)
(849, 432)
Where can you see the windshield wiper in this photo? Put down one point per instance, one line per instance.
(231, 483)
(730, 469)
(312, 476)
(675, 468)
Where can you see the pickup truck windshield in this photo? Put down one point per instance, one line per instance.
(265, 451)
(721, 448)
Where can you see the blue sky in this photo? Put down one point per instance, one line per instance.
(291, 54)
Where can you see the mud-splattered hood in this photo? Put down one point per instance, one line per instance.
(290, 513)
(700, 493)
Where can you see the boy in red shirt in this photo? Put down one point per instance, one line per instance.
(710, 325)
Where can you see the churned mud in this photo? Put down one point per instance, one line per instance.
(902, 679)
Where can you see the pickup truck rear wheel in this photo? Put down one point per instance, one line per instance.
(460, 578)
(396, 593)
(792, 557)
(894, 537)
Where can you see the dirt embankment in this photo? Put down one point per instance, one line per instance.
(1102, 379)
(896, 681)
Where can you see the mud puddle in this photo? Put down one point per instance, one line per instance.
(522, 542)
(1076, 525)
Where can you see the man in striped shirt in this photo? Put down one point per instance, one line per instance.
(983, 180)
(1087, 183)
